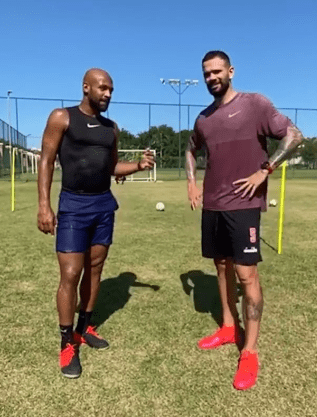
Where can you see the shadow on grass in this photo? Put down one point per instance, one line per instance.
(204, 290)
(114, 294)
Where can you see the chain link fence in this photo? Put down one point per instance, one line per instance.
(29, 115)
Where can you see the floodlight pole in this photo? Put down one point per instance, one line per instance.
(178, 82)
(9, 123)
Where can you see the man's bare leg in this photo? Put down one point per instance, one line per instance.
(228, 291)
(89, 289)
(71, 266)
(90, 283)
(252, 304)
(230, 330)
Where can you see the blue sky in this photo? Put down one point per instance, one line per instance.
(47, 46)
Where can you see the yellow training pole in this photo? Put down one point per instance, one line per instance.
(281, 210)
(12, 181)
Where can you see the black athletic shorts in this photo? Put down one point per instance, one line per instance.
(232, 234)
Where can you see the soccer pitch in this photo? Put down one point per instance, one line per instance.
(158, 297)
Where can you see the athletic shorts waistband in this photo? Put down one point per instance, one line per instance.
(83, 203)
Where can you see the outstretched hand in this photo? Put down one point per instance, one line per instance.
(250, 184)
(148, 161)
(194, 195)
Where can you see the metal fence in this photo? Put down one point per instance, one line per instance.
(29, 114)
(11, 135)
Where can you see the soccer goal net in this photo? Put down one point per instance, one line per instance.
(136, 155)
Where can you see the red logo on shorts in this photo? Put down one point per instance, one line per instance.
(252, 234)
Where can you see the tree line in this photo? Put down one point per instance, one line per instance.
(166, 143)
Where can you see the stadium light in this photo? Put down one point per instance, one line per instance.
(187, 83)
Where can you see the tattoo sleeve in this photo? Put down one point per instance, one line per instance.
(287, 146)
(191, 160)
(253, 311)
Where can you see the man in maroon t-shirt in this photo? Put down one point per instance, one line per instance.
(233, 131)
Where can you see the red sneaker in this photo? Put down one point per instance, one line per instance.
(222, 336)
(69, 361)
(78, 339)
(92, 338)
(247, 372)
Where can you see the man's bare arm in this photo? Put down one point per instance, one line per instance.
(56, 125)
(287, 147)
(194, 193)
(191, 160)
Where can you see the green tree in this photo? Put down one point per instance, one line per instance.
(165, 141)
(308, 152)
(126, 140)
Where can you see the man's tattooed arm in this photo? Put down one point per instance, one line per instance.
(194, 193)
(191, 160)
(287, 147)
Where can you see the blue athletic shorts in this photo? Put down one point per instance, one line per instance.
(84, 221)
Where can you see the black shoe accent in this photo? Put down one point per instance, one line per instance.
(94, 340)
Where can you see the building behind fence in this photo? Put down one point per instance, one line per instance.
(11, 140)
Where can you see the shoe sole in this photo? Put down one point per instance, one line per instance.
(97, 348)
(216, 347)
(71, 376)
(245, 389)
(92, 347)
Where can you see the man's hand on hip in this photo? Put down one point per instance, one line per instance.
(249, 185)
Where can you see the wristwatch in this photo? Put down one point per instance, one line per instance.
(266, 165)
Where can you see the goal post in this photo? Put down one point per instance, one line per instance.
(136, 155)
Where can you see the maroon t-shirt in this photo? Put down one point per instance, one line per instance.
(234, 135)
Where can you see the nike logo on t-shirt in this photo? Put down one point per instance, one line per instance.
(231, 115)
(89, 125)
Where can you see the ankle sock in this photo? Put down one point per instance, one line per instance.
(66, 335)
(83, 321)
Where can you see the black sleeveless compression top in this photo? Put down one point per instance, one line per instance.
(85, 153)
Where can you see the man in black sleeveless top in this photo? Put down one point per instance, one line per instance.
(86, 144)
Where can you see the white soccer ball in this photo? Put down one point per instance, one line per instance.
(160, 206)
(273, 203)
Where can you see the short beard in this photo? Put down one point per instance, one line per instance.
(96, 106)
(221, 92)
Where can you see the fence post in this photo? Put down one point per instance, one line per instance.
(149, 116)
(17, 114)
(188, 109)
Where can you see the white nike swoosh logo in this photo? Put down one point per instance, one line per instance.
(231, 115)
(89, 125)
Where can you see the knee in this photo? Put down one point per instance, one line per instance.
(249, 276)
(220, 265)
(223, 266)
(70, 276)
(96, 264)
(94, 269)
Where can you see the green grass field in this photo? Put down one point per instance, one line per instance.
(158, 297)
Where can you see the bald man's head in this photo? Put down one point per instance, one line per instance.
(97, 89)
(94, 73)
